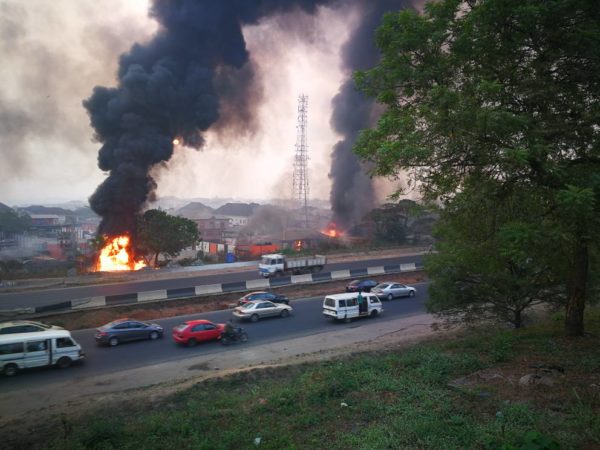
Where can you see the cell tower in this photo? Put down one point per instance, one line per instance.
(301, 158)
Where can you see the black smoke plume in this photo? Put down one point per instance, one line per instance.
(352, 194)
(169, 88)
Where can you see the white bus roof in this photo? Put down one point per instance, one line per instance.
(33, 336)
(346, 295)
(273, 255)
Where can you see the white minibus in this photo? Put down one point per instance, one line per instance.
(349, 306)
(43, 348)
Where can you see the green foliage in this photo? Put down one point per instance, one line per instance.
(502, 93)
(12, 222)
(395, 399)
(159, 232)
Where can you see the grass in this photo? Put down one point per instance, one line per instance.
(392, 399)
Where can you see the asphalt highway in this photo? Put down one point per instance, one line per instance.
(306, 320)
(51, 296)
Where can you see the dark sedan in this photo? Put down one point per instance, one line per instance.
(361, 285)
(124, 330)
(266, 296)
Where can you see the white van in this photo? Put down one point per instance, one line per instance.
(42, 348)
(347, 306)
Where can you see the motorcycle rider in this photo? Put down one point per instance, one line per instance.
(229, 330)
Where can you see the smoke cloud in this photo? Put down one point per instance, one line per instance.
(195, 74)
(352, 193)
(173, 87)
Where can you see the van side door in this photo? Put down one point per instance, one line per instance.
(352, 307)
(37, 353)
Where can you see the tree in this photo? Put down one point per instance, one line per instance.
(159, 232)
(503, 91)
(11, 222)
(392, 220)
(491, 260)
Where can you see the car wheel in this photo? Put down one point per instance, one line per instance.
(64, 362)
(113, 341)
(347, 320)
(374, 313)
(285, 313)
(10, 370)
(411, 294)
(192, 342)
(254, 318)
(153, 335)
(390, 297)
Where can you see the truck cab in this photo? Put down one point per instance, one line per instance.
(272, 264)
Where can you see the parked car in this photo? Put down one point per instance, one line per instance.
(123, 330)
(26, 326)
(194, 331)
(389, 290)
(268, 296)
(361, 285)
(258, 309)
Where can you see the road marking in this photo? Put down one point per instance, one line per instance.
(379, 270)
(148, 296)
(408, 267)
(305, 278)
(257, 284)
(88, 302)
(209, 289)
(340, 274)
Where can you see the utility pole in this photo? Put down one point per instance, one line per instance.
(300, 178)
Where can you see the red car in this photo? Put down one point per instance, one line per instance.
(194, 331)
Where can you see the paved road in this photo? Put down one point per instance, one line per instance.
(52, 296)
(306, 320)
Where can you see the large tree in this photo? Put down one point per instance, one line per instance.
(505, 91)
(159, 232)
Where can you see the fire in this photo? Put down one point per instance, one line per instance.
(331, 231)
(116, 256)
(176, 141)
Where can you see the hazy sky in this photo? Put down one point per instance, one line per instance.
(54, 52)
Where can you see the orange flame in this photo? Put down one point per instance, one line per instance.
(115, 256)
(331, 231)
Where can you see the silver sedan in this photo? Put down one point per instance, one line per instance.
(389, 290)
(258, 309)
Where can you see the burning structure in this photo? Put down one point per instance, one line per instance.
(186, 79)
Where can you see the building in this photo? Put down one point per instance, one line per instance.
(239, 213)
(214, 229)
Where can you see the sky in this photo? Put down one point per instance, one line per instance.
(54, 53)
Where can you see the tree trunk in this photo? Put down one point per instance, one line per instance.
(517, 319)
(576, 290)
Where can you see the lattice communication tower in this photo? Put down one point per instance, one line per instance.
(301, 158)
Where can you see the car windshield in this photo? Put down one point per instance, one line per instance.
(113, 324)
(180, 327)
(382, 286)
(41, 324)
(248, 306)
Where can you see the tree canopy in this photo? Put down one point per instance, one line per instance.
(159, 232)
(12, 222)
(502, 94)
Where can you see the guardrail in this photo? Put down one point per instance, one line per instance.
(210, 289)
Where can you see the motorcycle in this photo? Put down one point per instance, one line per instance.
(237, 335)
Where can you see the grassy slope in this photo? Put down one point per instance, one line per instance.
(395, 400)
